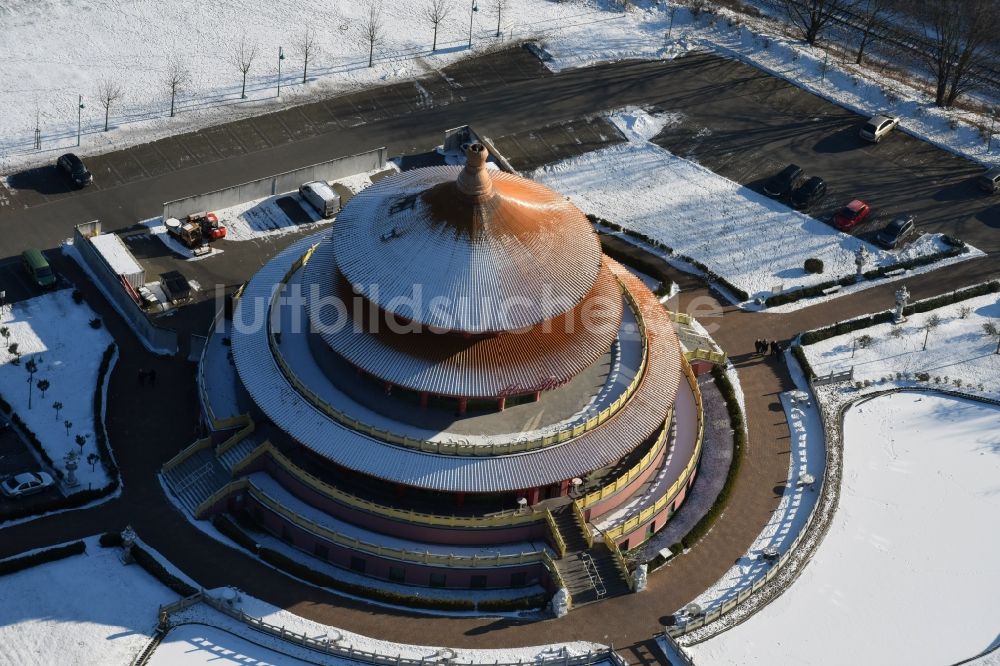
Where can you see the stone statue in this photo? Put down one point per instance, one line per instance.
(902, 296)
(128, 540)
(71, 467)
(560, 602)
(860, 257)
(639, 578)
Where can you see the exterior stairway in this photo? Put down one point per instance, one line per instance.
(590, 573)
(196, 478)
(239, 451)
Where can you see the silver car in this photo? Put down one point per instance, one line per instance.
(877, 127)
(26, 483)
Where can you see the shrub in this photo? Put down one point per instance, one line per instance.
(813, 265)
(222, 523)
(739, 444)
(15, 564)
(95, 322)
(110, 540)
(507, 605)
(800, 356)
(77, 297)
(155, 569)
(923, 376)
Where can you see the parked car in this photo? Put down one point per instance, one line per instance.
(26, 483)
(877, 127)
(74, 169)
(37, 266)
(896, 232)
(808, 193)
(321, 196)
(990, 181)
(781, 183)
(851, 215)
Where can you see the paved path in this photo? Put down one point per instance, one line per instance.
(148, 425)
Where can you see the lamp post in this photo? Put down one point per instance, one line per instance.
(670, 28)
(281, 56)
(79, 112)
(993, 122)
(472, 13)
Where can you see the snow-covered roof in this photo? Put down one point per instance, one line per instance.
(117, 254)
(510, 363)
(642, 416)
(420, 247)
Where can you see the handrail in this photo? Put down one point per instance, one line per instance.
(511, 519)
(594, 575)
(234, 486)
(248, 427)
(622, 481)
(619, 558)
(582, 521)
(186, 453)
(668, 497)
(556, 536)
(718, 358)
(454, 448)
(449, 560)
(330, 645)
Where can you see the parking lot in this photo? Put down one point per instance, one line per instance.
(15, 458)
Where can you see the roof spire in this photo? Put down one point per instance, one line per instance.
(474, 180)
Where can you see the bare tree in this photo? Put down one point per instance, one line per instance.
(875, 16)
(436, 11)
(307, 46)
(960, 34)
(177, 78)
(812, 16)
(500, 6)
(109, 92)
(373, 27)
(993, 331)
(243, 55)
(932, 322)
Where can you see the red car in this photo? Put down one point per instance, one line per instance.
(851, 215)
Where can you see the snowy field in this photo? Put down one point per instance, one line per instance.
(136, 45)
(959, 355)
(85, 609)
(756, 243)
(56, 333)
(907, 573)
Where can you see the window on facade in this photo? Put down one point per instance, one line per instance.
(478, 581)
(438, 579)
(321, 551)
(358, 564)
(519, 579)
(397, 574)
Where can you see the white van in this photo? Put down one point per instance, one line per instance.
(321, 196)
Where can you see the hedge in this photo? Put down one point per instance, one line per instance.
(155, 569)
(886, 316)
(533, 602)
(957, 247)
(110, 540)
(227, 527)
(15, 564)
(800, 356)
(739, 445)
(710, 275)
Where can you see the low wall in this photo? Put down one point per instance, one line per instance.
(276, 184)
(155, 339)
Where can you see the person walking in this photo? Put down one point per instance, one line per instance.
(152, 377)
(775, 349)
(142, 377)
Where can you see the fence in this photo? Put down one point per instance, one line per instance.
(155, 339)
(329, 646)
(276, 184)
(834, 377)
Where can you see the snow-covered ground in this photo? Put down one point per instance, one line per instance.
(135, 45)
(55, 332)
(959, 355)
(711, 219)
(907, 572)
(85, 609)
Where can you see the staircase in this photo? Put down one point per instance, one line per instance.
(238, 452)
(590, 573)
(195, 479)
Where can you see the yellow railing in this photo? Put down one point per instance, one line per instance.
(424, 557)
(234, 486)
(718, 358)
(187, 452)
(248, 427)
(619, 558)
(454, 448)
(557, 578)
(581, 520)
(512, 519)
(668, 497)
(679, 317)
(556, 536)
(626, 478)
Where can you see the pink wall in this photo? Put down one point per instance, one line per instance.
(625, 493)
